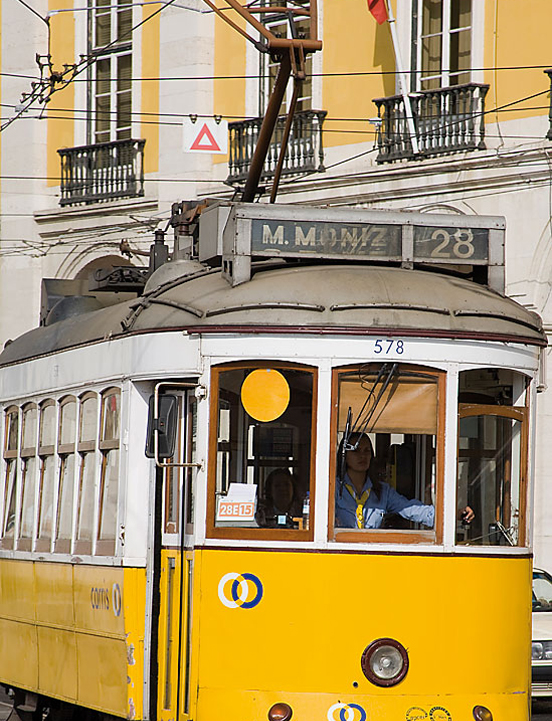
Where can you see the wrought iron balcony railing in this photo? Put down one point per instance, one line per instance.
(105, 171)
(305, 152)
(447, 120)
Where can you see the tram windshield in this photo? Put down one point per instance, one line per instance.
(386, 466)
(264, 439)
(492, 453)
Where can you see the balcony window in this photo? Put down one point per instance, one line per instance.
(112, 72)
(280, 25)
(447, 107)
(444, 46)
(304, 151)
(110, 165)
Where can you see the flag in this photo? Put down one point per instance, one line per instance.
(378, 10)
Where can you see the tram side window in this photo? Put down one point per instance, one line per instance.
(492, 456)
(109, 472)
(86, 447)
(387, 458)
(66, 475)
(28, 476)
(261, 449)
(11, 438)
(47, 464)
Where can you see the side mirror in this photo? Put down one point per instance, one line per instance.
(165, 426)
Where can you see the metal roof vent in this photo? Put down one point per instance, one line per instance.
(171, 271)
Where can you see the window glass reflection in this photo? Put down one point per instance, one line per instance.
(489, 478)
(492, 455)
(386, 460)
(263, 448)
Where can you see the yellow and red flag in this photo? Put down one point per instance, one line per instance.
(378, 10)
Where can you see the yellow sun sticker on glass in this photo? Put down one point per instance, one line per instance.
(265, 394)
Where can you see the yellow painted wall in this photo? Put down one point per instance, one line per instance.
(150, 89)
(353, 43)
(229, 95)
(60, 132)
(516, 34)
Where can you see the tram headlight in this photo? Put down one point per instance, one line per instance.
(280, 712)
(385, 662)
(541, 650)
(482, 713)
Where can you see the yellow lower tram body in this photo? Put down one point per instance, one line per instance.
(240, 631)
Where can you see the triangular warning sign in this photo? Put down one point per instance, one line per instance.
(205, 141)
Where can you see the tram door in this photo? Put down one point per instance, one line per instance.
(175, 587)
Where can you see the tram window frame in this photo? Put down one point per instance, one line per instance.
(29, 468)
(172, 501)
(110, 460)
(254, 533)
(178, 480)
(47, 474)
(66, 481)
(190, 473)
(10, 474)
(433, 536)
(510, 404)
(87, 468)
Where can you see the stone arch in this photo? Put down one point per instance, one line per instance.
(77, 262)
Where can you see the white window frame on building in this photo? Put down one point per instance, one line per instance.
(110, 76)
(268, 71)
(445, 42)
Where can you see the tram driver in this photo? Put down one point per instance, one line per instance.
(362, 499)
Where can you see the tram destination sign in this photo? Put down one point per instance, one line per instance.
(368, 240)
(293, 237)
(466, 245)
(234, 234)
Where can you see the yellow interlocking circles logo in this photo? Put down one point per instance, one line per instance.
(346, 712)
(240, 590)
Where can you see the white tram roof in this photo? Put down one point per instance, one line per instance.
(280, 297)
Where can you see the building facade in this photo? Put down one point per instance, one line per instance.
(87, 177)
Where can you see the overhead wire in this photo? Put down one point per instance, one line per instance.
(91, 114)
(342, 74)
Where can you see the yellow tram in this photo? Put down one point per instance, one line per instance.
(175, 541)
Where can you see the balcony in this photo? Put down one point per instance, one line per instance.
(101, 172)
(447, 120)
(304, 153)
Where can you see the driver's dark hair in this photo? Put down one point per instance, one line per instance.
(374, 477)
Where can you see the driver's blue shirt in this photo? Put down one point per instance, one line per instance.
(375, 508)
